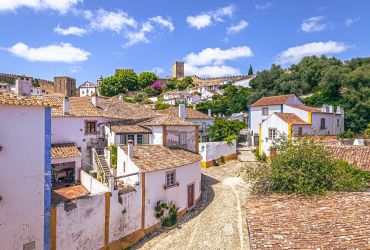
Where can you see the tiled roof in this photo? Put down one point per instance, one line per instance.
(64, 194)
(167, 120)
(89, 84)
(108, 107)
(333, 221)
(190, 113)
(67, 150)
(359, 156)
(305, 108)
(272, 100)
(290, 118)
(149, 158)
(130, 129)
(113, 107)
(7, 98)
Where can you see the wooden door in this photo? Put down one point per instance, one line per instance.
(191, 195)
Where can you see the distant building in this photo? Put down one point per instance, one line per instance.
(65, 86)
(88, 88)
(178, 70)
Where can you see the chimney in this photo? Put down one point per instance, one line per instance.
(339, 110)
(331, 108)
(66, 105)
(130, 149)
(95, 100)
(194, 106)
(120, 97)
(182, 111)
(209, 112)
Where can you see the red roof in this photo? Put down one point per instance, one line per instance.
(305, 108)
(290, 118)
(272, 100)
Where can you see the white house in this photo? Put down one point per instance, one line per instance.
(204, 121)
(88, 89)
(292, 119)
(181, 97)
(243, 81)
(165, 175)
(25, 182)
(261, 109)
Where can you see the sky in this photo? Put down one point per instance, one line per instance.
(88, 38)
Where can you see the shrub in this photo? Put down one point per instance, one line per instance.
(304, 167)
(161, 105)
(167, 213)
(347, 134)
(113, 156)
(140, 97)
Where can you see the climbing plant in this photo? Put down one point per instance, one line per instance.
(167, 213)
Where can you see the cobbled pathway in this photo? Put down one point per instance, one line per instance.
(217, 222)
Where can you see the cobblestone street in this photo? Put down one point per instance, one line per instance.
(218, 221)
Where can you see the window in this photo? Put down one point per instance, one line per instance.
(322, 123)
(265, 111)
(203, 129)
(182, 138)
(299, 131)
(124, 167)
(145, 139)
(272, 133)
(90, 127)
(170, 178)
(82, 92)
(337, 122)
(139, 139)
(131, 137)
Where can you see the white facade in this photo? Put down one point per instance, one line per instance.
(24, 182)
(215, 150)
(155, 182)
(72, 130)
(37, 91)
(23, 86)
(88, 89)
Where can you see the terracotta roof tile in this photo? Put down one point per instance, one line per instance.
(333, 221)
(290, 118)
(108, 107)
(190, 113)
(359, 156)
(149, 158)
(60, 195)
(7, 98)
(167, 120)
(306, 108)
(272, 100)
(130, 129)
(67, 150)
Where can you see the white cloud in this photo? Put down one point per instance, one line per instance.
(210, 62)
(111, 20)
(238, 27)
(63, 52)
(263, 6)
(157, 70)
(163, 22)
(211, 71)
(349, 21)
(61, 6)
(199, 21)
(217, 56)
(314, 24)
(207, 18)
(140, 36)
(295, 54)
(72, 30)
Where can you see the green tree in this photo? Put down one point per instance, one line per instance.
(140, 97)
(150, 91)
(119, 83)
(222, 129)
(250, 70)
(304, 167)
(146, 79)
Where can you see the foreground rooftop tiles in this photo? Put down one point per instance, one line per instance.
(334, 221)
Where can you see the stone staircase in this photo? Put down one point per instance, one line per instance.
(104, 165)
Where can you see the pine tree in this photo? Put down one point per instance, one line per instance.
(250, 71)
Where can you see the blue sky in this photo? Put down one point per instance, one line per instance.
(86, 39)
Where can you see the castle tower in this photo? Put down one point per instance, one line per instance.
(65, 85)
(178, 70)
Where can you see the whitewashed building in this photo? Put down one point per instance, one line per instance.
(286, 115)
(204, 121)
(181, 97)
(25, 183)
(165, 174)
(88, 89)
